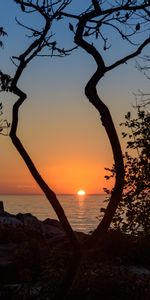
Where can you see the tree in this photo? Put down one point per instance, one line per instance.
(126, 18)
(41, 40)
(49, 11)
(133, 213)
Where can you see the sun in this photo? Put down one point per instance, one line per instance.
(81, 193)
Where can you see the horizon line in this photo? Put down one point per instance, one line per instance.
(40, 194)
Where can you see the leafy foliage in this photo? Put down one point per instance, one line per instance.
(2, 33)
(133, 213)
(5, 82)
(0, 117)
(4, 125)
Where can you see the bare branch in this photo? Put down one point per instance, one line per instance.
(96, 5)
(130, 56)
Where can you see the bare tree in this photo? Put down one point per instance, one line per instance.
(43, 39)
(127, 19)
(40, 40)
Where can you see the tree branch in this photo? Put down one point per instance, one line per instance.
(130, 56)
(96, 5)
(31, 52)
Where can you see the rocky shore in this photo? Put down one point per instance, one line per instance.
(35, 255)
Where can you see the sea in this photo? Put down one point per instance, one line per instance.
(83, 212)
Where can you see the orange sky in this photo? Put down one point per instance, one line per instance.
(64, 135)
(58, 126)
(69, 157)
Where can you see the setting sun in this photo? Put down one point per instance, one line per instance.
(81, 193)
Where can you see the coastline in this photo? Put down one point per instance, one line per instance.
(36, 253)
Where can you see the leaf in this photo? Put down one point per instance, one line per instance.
(53, 45)
(2, 32)
(124, 134)
(103, 209)
(137, 27)
(128, 115)
(1, 44)
(71, 27)
(127, 16)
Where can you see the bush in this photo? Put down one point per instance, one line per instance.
(133, 213)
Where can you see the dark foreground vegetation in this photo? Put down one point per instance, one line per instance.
(35, 258)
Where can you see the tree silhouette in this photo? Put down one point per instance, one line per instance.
(132, 215)
(49, 11)
(127, 19)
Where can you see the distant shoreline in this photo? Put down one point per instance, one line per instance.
(59, 194)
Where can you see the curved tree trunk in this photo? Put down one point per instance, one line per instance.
(50, 195)
(107, 122)
(30, 53)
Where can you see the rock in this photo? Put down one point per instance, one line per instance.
(52, 228)
(29, 221)
(9, 220)
(50, 231)
(25, 245)
(52, 222)
(21, 225)
(140, 271)
(1, 207)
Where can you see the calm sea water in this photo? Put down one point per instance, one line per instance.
(82, 211)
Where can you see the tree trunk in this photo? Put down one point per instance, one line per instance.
(116, 194)
(50, 195)
(107, 122)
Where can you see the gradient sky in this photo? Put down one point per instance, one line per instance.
(58, 126)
